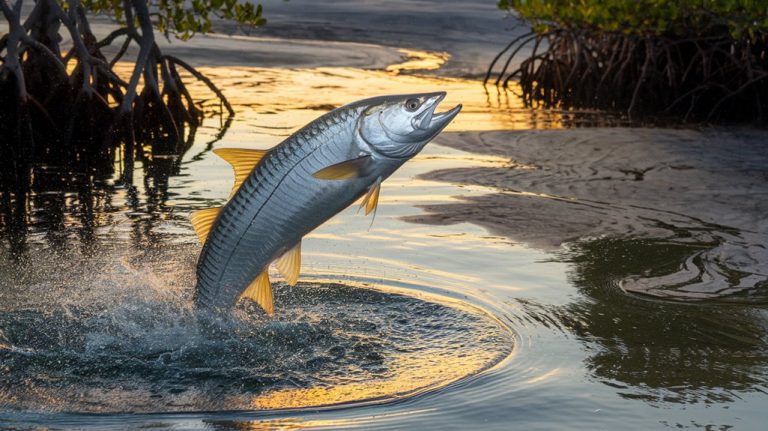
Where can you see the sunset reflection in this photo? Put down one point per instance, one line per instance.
(276, 101)
(413, 375)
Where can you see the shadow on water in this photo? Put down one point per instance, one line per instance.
(62, 187)
(660, 352)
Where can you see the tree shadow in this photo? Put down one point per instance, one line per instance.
(60, 189)
(660, 351)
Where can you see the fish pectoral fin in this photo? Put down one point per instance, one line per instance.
(202, 220)
(260, 291)
(347, 169)
(371, 200)
(242, 160)
(289, 264)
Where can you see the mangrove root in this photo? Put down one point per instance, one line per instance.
(696, 78)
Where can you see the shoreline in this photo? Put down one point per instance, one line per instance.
(699, 189)
(347, 33)
(470, 32)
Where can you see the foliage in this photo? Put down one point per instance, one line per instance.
(697, 59)
(65, 106)
(185, 18)
(681, 18)
(69, 119)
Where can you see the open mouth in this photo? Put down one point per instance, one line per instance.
(427, 119)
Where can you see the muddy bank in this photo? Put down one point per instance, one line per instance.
(472, 32)
(362, 34)
(344, 33)
(706, 189)
(222, 50)
(235, 45)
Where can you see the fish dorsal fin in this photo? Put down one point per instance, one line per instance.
(347, 169)
(371, 200)
(242, 160)
(289, 264)
(202, 220)
(260, 291)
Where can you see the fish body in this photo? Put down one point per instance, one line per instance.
(302, 182)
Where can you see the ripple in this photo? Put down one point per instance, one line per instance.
(128, 340)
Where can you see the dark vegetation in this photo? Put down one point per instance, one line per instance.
(696, 59)
(65, 112)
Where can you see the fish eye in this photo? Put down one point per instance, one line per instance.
(412, 104)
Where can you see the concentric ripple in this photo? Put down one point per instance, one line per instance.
(127, 340)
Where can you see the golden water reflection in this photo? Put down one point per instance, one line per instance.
(298, 95)
(414, 375)
(410, 373)
(276, 101)
(418, 60)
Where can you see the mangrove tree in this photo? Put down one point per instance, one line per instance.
(698, 59)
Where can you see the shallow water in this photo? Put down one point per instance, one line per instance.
(456, 324)
(127, 340)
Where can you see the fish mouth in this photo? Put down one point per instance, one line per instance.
(429, 120)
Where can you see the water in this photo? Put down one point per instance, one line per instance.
(127, 340)
(488, 293)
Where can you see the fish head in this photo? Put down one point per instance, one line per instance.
(400, 126)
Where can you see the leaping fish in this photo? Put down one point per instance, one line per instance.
(282, 194)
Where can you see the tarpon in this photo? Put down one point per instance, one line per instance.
(282, 194)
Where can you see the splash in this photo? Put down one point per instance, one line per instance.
(115, 332)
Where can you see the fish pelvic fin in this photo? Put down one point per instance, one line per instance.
(202, 220)
(345, 170)
(289, 264)
(243, 161)
(371, 200)
(260, 291)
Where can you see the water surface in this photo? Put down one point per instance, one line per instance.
(432, 317)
